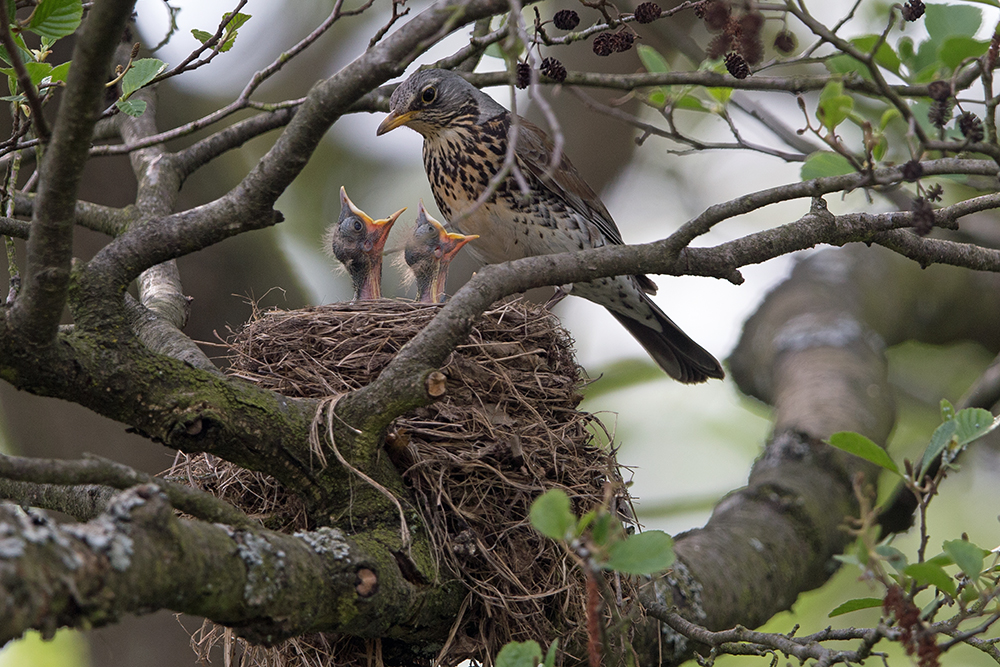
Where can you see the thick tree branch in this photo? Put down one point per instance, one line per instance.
(164, 307)
(182, 407)
(202, 152)
(103, 472)
(83, 502)
(36, 313)
(138, 556)
(14, 228)
(104, 219)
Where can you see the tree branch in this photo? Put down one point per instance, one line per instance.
(83, 503)
(36, 313)
(249, 205)
(401, 386)
(24, 83)
(106, 473)
(138, 556)
(103, 219)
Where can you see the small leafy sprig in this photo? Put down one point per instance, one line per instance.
(598, 539)
(974, 588)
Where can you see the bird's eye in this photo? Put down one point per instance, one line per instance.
(357, 225)
(429, 94)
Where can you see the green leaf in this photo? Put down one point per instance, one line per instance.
(825, 163)
(493, 51)
(689, 102)
(847, 559)
(652, 60)
(585, 521)
(140, 73)
(941, 438)
(604, 528)
(941, 560)
(38, 71)
(60, 72)
(131, 107)
(203, 36)
(834, 107)
(947, 410)
(931, 574)
(229, 36)
(885, 56)
(56, 18)
(620, 375)
(845, 64)
(720, 94)
(880, 148)
(943, 21)
(237, 21)
(967, 556)
(956, 49)
(855, 605)
(904, 47)
(551, 515)
(657, 98)
(520, 654)
(893, 556)
(973, 423)
(859, 445)
(550, 655)
(22, 51)
(645, 553)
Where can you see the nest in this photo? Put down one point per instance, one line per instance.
(506, 431)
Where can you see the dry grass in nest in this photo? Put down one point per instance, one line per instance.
(506, 431)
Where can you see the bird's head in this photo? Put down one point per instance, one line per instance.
(357, 241)
(433, 99)
(428, 252)
(356, 233)
(431, 237)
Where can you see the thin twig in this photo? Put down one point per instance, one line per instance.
(24, 81)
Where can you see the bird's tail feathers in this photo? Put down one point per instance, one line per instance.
(672, 349)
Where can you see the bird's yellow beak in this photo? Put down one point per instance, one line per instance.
(391, 219)
(452, 243)
(346, 201)
(394, 120)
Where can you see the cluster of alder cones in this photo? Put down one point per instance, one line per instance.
(737, 41)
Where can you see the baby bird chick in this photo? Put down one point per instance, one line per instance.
(428, 252)
(357, 241)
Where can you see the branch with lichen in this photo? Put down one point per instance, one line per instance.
(138, 556)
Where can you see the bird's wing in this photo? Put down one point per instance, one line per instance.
(535, 152)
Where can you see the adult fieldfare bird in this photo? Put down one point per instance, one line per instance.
(428, 253)
(357, 241)
(465, 141)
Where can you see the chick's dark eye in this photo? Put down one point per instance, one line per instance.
(428, 95)
(357, 225)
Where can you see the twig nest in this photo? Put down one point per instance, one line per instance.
(506, 430)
